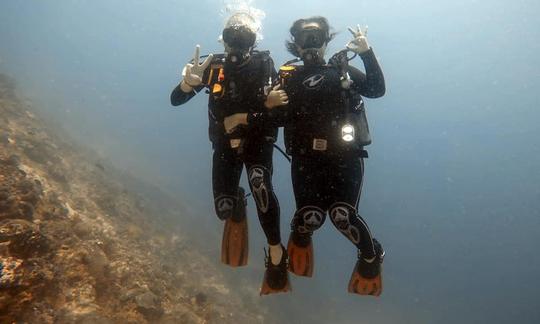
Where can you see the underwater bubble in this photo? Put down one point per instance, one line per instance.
(243, 12)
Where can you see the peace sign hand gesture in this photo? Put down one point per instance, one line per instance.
(359, 43)
(193, 72)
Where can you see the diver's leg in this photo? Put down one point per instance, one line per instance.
(308, 177)
(347, 181)
(226, 171)
(259, 173)
(229, 203)
(258, 160)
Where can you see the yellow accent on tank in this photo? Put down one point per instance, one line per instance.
(287, 68)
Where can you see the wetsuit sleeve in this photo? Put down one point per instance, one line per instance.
(272, 118)
(179, 97)
(371, 84)
(276, 117)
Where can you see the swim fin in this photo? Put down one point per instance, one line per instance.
(300, 250)
(366, 278)
(234, 245)
(276, 277)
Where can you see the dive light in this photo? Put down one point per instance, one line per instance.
(347, 133)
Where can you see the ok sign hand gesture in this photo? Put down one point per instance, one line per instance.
(359, 43)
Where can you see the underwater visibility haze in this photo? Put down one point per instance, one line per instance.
(452, 182)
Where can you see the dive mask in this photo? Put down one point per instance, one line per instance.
(238, 37)
(311, 38)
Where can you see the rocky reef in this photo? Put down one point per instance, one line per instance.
(79, 246)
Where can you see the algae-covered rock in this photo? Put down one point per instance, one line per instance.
(78, 244)
(96, 261)
(11, 273)
(149, 304)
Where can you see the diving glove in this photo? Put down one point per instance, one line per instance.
(359, 43)
(276, 97)
(193, 72)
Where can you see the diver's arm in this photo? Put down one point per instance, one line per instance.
(371, 84)
(275, 112)
(275, 117)
(276, 98)
(192, 76)
(179, 96)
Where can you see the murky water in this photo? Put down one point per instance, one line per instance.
(452, 182)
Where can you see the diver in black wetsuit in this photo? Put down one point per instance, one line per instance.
(325, 132)
(240, 81)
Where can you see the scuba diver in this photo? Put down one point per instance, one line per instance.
(325, 133)
(240, 80)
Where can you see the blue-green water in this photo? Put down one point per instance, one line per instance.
(452, 184)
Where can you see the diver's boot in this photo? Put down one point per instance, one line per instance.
(366, 278)
(300, 250)
(276, 277)
(234, 246)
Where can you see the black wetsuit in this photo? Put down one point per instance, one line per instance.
(235, 89)
(327, 171)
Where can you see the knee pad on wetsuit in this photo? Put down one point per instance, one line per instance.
(308, 219)
(344, 218)
(225, 206)
(259, 180)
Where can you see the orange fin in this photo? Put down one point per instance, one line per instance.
(365, 286)
(234, 246)
(300, 258)
(267, 290)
